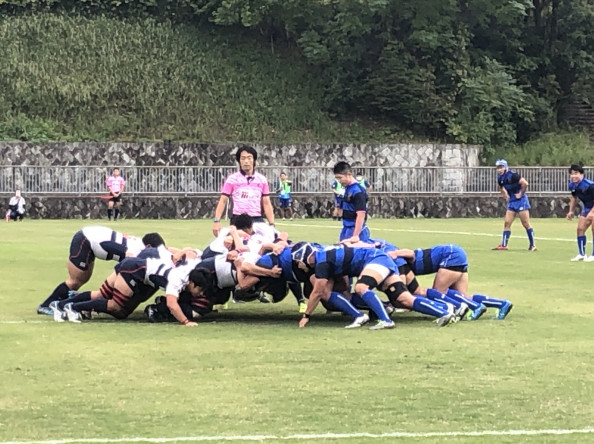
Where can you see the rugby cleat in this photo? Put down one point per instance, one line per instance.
(302, 307)
(44, 311)
(382, 325)
(500, 248)
(446, 320)
(473, 315)
(504, 311)
(59, 315)
(460, 312)
(578, 258)
(359, 321)
(532, 248)
(71, 314)
(589, 259)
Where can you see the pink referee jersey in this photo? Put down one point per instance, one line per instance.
(115, 183)
(246, 192)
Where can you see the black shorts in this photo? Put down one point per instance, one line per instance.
(460, 268)
(115, 199)
(133, 271)
(81, 254)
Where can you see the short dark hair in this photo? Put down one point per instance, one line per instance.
(153, 240)
(247, 149)
(243, 221)
(342, 168)
(576, 167)
(203, 278)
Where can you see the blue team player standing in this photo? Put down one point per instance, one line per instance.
(582, 189)
(354, 205)
(513, 188)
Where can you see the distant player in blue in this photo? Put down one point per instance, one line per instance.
(582, 189)
(284, 196)
(354, 205)
(372, 268)
(513, 188)
(450, 264)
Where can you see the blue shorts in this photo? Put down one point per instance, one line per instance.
(348, 232)
(457, 260)
(521, 204)
(585, 211)
(285, 202)
(384, 260)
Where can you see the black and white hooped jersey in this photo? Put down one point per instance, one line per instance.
(108, 244)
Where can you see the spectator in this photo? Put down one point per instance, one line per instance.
(115, 185)
(16, 207)
(248, 190)
(363, 182)
(284, 197)
(338, 191)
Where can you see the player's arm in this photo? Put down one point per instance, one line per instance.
(524, 186)
(176, 311)
(216, 226)
(255, 270)
(572, 202)
(268, 210)
(405, 253)
(503, 192)
(321, 289)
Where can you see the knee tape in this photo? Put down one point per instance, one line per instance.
(367, 280)
(395, 290)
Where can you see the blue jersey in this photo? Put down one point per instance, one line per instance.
(340, 260)
(290, 271)
(355, 199)
(510, 180)
(430, 260)
(386, 247)
(584, 191)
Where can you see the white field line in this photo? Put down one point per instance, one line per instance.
(313, 436)
(411, 230)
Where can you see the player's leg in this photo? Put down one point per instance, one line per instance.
(371, 276)
(110, 203)
(289, 209)
(582, 226)
(587, 224)
(525, 219)
(507, 223)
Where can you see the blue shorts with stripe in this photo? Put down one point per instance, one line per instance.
(521, 204)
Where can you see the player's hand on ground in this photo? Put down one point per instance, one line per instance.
(191, 324)
(303, 322)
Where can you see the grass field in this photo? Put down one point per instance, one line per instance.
(251, 375)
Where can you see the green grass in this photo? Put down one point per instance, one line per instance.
(253, 372)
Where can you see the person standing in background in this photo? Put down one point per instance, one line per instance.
(582, 189)
(249, 191)
(115, 185)
(513, 188)
(284, 197)
(338, 191)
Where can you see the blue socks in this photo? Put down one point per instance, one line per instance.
(505, 239)
(428, 307)
(530, 233)
(376, 305)
(488, 301)
(340, 302)
(473, 305)
(581, 241)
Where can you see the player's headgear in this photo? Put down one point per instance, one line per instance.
(301, 251)
(501, 162)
